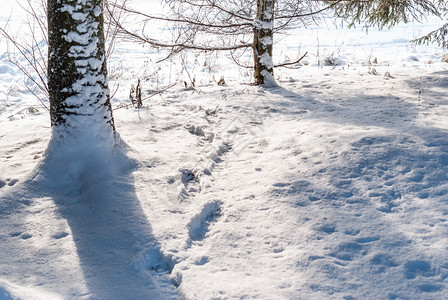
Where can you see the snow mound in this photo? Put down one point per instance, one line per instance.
(9, 291)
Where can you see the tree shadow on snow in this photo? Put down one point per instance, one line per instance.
(115, 249)
(391, 112)
(394, 169)
(405, 146)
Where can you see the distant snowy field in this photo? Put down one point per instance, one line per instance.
(333, 185)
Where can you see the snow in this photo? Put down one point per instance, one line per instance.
(260, 24)
(10, 291)
(330, 185)
(269, 80)
(266, 60)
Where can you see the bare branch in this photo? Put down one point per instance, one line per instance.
(176, 47)
(291, 63)
(184, 20)
(148, 97)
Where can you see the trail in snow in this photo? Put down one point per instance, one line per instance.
(331, 186)
(300, 191)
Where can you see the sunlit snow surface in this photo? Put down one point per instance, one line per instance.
(333, 185)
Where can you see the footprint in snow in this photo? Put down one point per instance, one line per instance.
(22, 235)
(348, 251)
(352, 232)
(200, 223)
(367, 239)
(383, 259)
(429, 288)
(59, 235)
(415, 268)
(328, 228)
(25, 236)
(9, 182)
(199, 130)
(201, 261)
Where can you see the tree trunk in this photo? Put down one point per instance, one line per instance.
(77, 73)
(263, 40)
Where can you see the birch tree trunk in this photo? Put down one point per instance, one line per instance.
(77, 74)
(263, 40)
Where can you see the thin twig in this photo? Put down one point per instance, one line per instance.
(291, 63)
(148, 97)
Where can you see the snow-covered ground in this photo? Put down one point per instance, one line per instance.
(333, 185)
